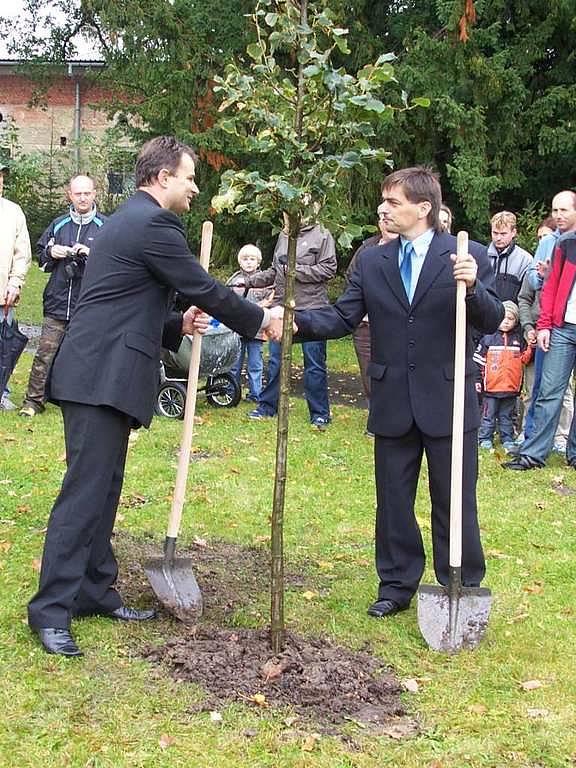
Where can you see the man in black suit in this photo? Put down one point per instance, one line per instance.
(105, 375)
(407, 287)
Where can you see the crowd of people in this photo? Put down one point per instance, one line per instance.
(118, 274)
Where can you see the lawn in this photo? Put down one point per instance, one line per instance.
(509, 703)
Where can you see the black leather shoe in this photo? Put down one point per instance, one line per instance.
(58, 641)
(124, 613)
(382, 608)
(522, 463)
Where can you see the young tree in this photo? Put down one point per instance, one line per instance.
(303, 122)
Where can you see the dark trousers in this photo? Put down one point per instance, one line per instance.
(501, 411)
(50, 339)
(78, 565)
(399, 547)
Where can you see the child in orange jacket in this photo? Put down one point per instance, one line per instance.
(500, 358)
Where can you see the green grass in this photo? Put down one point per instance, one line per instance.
(111, 709)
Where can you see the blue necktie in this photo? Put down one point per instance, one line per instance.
(406, 268)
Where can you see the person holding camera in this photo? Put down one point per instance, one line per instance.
(62, 251)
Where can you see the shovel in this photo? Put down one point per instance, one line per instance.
(172, 578)
(453, 618)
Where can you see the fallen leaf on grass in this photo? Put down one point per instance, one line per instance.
(133, 436)
(496, 553)
(259, 698)
(289, 721)
(23, 509)
(540, 505)
(5, 546)
(310, 742)
(410, 684)
(537, 712)
(216, 717)
(37, 564)
(536, 588)
(271, 670)
(400, 729)
(325, 565)
(531, 685)
(518, 617)
(478, 709)
(309, 595)
(166, 741)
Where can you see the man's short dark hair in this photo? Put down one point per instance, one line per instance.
(419, 184)
(161, 152)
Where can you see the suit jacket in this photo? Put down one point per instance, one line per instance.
(110, 354)
(412, 346)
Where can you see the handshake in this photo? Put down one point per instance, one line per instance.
(195, 319)
(273, 329)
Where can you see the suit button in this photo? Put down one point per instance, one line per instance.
(411, 343)
(410, 319)
(411, 367)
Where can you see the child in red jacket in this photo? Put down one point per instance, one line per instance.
(501, 357)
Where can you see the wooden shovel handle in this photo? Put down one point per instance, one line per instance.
(190, 407)
(458, 413)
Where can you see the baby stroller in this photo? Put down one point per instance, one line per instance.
(220, 350)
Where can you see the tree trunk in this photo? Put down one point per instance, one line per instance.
(277, 625)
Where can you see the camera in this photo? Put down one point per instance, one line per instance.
(74, 265)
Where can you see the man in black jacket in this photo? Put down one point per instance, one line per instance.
(105, 375)
(62, 251)
(408, 289)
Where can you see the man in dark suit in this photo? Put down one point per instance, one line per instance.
(408, 289)
(105, 375)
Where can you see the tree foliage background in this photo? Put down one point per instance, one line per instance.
(500, 128)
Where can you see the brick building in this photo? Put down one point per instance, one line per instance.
(67, 109)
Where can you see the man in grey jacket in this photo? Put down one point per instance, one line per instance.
(315, 265)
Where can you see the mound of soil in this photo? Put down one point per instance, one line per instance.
(325, 684)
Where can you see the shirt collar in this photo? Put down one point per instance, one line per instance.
(421, 244)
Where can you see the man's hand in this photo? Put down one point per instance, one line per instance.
(531, 337)
(273, 331)
(266, 302)
(60, 251)
(194, 319)
(465, 269)
(544, 339)
(12, 295)
(81, 249)
(542, 268)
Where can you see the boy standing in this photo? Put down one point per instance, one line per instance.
(249, 260)
(500, 357)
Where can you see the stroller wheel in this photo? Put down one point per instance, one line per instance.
(170, 400)
(223, 391)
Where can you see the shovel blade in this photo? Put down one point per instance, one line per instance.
(453, 624)
(175, 585)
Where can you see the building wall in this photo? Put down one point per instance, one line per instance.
(40, 127)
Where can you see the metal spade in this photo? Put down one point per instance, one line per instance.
(455, 617)
(171, 577)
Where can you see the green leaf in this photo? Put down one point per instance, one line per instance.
(271, 19)
(421, 101)
(254, 51)
(229, 126)
(311, 70)
(369, 103)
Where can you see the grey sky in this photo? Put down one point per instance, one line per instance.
(13, 8)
